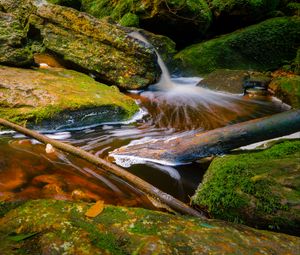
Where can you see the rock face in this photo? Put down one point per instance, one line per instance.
(287, 89)
(180, 20)
(87, 43)
(64, 96)
(265, 46)
(260, 189)
(14, 49)
(58, 227)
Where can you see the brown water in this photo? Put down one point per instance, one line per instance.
(28, 172)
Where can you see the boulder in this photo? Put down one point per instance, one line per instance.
(180, 20)
(259, 188)
(86, 43)
(58, 97)
(59, 227)
(225, 80)
(265, 46)
(287, 88)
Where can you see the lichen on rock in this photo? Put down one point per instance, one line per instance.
(60, 227)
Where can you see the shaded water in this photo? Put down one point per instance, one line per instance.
(171, 107)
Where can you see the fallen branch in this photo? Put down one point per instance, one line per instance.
(164, 198)
(187, 148)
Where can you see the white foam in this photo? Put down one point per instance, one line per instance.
(7, 132)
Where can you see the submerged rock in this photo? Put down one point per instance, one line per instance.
(57, 227)
(265, 46)
(259, 188)
(287, 89)
(67, 98)
(87, 43)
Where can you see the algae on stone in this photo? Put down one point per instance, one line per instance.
(265, 46)
(260, 188)
(60, 227)
(36, 96)
(14, 48)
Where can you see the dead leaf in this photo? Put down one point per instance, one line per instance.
(95, 210)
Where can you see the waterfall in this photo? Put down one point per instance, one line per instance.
(165, 82)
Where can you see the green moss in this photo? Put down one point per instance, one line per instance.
(265, 46)
(63, 228)
(59, 95)
(287, 89)
(250, 187)
(129, 20)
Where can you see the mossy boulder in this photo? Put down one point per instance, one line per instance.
(260, 188)
(180, 20)
(60, 227)
(87, 44)
(67, 98)
(233, 14)
(287, 89)
(14, 48)
(265, 46)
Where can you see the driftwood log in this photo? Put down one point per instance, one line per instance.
(187, 148)
(137, 182)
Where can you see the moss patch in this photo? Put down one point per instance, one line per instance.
(60, 95)
(256, 188)
(262, 47)
(62, 228)
(287, 89)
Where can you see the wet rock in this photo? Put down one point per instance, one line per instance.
(65, 97)
(261, 47)
(61, 227)
(225, 80)
(54, 191)
(87, 43)
(259, 188)
(180, 20)
(287, 88)
(14, 48)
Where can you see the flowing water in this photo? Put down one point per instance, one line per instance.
(174, 106)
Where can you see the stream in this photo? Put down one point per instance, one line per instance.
(185, 108)
(173, 106)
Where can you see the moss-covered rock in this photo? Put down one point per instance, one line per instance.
(233, 14)
(180, 20)
(59, 227)
(35, 96)
(287, 89)
(87, 43)
(14, 48)
(265, 46)
(261, 189)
